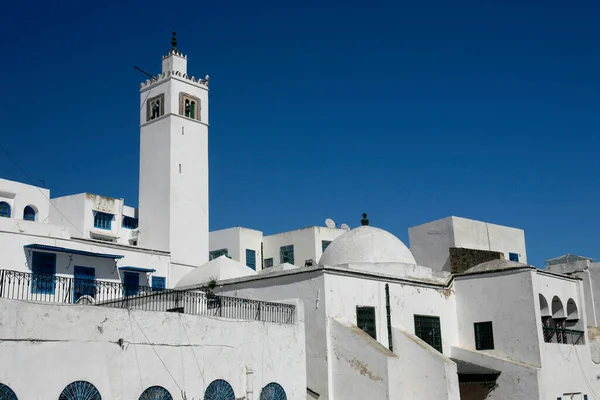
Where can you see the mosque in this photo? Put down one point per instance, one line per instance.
(101, 300)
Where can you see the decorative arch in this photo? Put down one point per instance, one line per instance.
(29, 213)
(156, 393)
(572, 312)
(558, 311)
(80, 390)
(4, 209)
(544, 309)
(6, 393)
(219, 390)
(273, 391)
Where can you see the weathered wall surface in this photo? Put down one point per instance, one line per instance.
(122, 353)
(463, 259)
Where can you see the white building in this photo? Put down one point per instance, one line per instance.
(467, 242)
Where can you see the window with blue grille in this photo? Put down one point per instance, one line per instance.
(159, 282)
(4, 209)
(273, 391)
(43, 268)
(513, 257)
(286, 254)
(218, 253)
(484, 336)
(428, 329)
(102, 220)
(29, 214)
(130, 222)
(156, 393)
(6, 393)
(131, 283)
(219, 390)
(325, 244)
(251, 259)
(80, 390)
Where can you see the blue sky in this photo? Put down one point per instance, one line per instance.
(410, 111)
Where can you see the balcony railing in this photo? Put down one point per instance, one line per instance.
(563, 336)
(56, 289)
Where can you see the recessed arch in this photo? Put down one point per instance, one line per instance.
(544, 309)
(558, 311)
(572, 312)
(29, 213)
(6, 393)
(273, 391)
(219, 390)
(80, 390)
(156, 393)
(4, 209)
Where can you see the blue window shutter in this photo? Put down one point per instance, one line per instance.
(513, 257)
(131, 283)
(43, 267)
(159, 282)
(251, 259)
(4, 209)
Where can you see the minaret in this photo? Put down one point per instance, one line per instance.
(173, 198)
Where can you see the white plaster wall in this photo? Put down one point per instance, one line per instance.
(70, 211)
(226, 239)
(250, 239)
(345, 293)
(309, 288)
(53, 344)
(516, 381)
(306, 241)
(506, 299)
(174, 63)
(19, 195)
(427, 374)
(484, 236)
(359, 366)
(430, 243)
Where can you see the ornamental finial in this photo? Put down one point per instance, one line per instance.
(364, 221)
(174, 41)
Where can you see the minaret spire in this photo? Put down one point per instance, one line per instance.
(174, 41)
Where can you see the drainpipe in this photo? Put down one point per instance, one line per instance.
(249, 382)
(389, 317)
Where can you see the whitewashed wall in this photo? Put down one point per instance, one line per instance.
(124, 352)
(19, 195)
(430, 243)
(236, 241)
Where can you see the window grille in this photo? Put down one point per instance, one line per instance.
(268, 262)
(484, 336)
(428, 329)
(251, 259)
(218, 253)
(80, 390)
(29, 214)
(102, 220)
(43, 267)
(286, 254)
(159, 283)
(513, 257)
(156, 393)
(219, 390)
(6, 393)
(365, 320)
(273, 391)
(325, 244)
(130, 222)
(4, 209)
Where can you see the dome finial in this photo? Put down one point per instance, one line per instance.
(174, 40)
(364, 221)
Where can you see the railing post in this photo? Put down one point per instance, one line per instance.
(2, 282)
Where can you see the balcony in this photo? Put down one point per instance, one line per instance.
(563, 336)
(63, 290)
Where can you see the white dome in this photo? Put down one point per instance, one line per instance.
(366, 244)
(220, 268)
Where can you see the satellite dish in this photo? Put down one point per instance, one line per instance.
(329, 223)
(345, 227)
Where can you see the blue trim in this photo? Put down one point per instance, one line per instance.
(43, 268)
(131, 283)
(136, 269)
(71, 251)
(129, 222)
(29, 214)
(103, 220)
(4, 209)
(513, 257)
(159, 283)
(251, 259)
(84, 283)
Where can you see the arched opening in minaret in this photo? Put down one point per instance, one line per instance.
(187, 108)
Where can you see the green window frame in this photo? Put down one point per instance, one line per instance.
(366, 320)
(428, 329)
(484, 335)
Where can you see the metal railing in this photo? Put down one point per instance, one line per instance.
(81, 290)
(563, 336)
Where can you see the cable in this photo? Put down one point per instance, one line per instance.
(135, 350)
(193, 353)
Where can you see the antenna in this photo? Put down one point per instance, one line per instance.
(329, 223)
(144, 72)
(345, 227)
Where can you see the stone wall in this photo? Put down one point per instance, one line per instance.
(462, 259)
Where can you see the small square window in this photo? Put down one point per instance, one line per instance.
(286, 254)
(159, 283)
(102, 220)
(218, 253)
(324, 244)
(428, 329)
(484, 336)
(365, 320)
(513, 257)
(268, 262)
(130, 222)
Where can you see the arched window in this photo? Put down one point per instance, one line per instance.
(558, 310)
(80, 390)
(219, 390)
(187, 108)
(4, 209)
(29, 214)
(6, 393)
(273, 391)
(193, 110)
(156, 393)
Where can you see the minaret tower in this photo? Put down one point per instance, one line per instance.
(173, 203)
